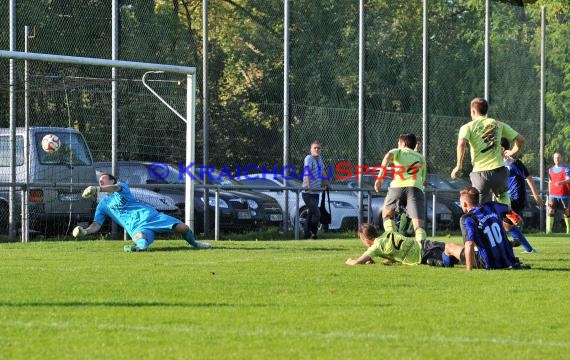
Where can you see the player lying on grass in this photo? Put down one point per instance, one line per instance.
(482, 227)
(140, 220)
(395, 247)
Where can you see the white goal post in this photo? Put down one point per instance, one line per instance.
(190, 101)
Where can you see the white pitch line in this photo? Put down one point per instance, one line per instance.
(301, 334)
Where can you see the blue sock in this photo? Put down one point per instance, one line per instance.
(141, 243)
(447, 262)
(516, 232)
(190, 238)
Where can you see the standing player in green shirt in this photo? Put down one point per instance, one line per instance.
(408, 176)
(489, 174)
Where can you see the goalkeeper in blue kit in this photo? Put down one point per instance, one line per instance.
(141, 221)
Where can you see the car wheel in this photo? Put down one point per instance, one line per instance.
(303, 215)
(3, 218)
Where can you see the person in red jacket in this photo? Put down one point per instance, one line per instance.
(558, 193)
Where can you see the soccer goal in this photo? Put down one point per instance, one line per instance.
(72, 98)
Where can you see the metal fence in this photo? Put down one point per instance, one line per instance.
(245, 108)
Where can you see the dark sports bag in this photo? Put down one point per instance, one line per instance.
(325, 215)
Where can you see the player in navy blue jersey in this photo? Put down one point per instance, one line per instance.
(482, 226)
(518, 175)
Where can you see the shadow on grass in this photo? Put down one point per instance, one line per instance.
(550, 269)
(111, 304)
(288, 249)
(72, 304)
(175, 248)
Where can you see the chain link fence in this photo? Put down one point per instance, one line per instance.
(245, 84)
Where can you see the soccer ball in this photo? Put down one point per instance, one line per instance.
(51, 143)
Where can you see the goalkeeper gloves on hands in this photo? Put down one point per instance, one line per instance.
(79, 232)
(90, 191)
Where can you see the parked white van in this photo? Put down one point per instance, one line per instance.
(50, 208)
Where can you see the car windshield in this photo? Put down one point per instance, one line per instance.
(258, 182)
(134, 174)
(439, 182)
(367, 183)
(5, 147)
(268, 180)
(458, 184)
(222, 179)
(72, 151)
(161, 175)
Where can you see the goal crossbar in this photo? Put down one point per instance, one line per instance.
(190, 100)
(19, 55)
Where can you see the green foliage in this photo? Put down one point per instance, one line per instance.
(245, 86)
(277, 299)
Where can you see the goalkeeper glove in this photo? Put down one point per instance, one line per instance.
(90, 191)
(79, 232)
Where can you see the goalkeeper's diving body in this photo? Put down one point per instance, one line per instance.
(140, 220)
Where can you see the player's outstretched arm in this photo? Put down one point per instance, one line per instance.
(460, 150)
(91, 191)
(382, 171)
(518, 143)
(534, 191)
(80, 231)
(110, 188)
(363, 259)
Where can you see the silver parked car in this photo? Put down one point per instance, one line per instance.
(343, 205)
(52, 210)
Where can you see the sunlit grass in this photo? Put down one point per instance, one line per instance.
(274, 299)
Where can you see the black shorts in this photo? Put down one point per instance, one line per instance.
(517, 205)
(557, 204)
(432, 250)
(479, 262)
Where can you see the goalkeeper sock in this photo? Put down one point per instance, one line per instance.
(549, 224)
(190, 238)
(403, 223)
(516, 233)
(389, 224)
(567, 221)
(420, 234)
(141, 243)
(504, 198)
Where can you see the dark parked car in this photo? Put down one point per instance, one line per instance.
(3, 216)
(236, 212)
(530, 214)
(265, 210)
(447, 192)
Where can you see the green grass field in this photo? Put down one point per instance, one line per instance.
(275, 300)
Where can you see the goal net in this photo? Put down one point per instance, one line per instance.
(76, 99)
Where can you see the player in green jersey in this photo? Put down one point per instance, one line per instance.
(395, 247)
(483, 134)
(489, 175)
(408, 175)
